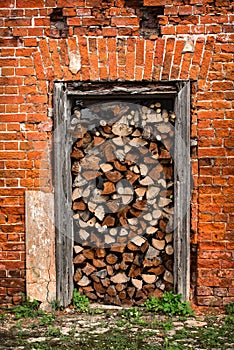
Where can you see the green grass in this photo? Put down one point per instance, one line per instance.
(169, 304)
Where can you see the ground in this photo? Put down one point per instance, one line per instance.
(112, 328)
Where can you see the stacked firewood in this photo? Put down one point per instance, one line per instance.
(122, 197)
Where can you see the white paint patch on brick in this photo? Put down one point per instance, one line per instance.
(40, 247)
(75, 61)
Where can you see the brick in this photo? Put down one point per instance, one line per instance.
(209, 301)
(112, 58)
(12, 173)
(41, 22)
(8, 62)
(168, 30)
(185, 67)
(185, 10)
(83, 12)
(7, 4)
(30, 42)
(26, 62)
(24, 71)
(221, 86)
(210, 114)
(90, 21)
(125, 21)
(227, 48)
(37, 32)
(29, 4)
(182, 29)
(154, 2)
(109, 32)
(140, 52)
(70, 3)
(11, 99)
(92, 3)
(58, 73)
(18, 22)
(74, 21)
(208, 263)
(39, 66)
(159, 52)
(211, 152)
(102, 50)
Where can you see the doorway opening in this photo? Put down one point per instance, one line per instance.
(122, 190)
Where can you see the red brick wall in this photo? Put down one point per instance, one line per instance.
(34, 54)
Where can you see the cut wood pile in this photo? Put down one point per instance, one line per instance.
(122, 200)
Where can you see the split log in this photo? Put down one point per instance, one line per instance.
(106, 167)
(109, 221)
(79, 259)
(111, 259)
(84, 281)
(160, 245)
(168, 277)
(90, 175)
(157, 270)
(98, 287)
(78, 275)
(111, 291)
(120, 278)
(100, 252)
(79, 205)
(131, 291)
(88, 269)
(169, 249)
(113, 176)
(118, 166)
(99, 263)
(148, 278)
(137, 283)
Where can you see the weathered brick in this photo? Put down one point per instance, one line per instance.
(125, 21)
(154, 2)
(29, 3)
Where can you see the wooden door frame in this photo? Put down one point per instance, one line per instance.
(62, 180)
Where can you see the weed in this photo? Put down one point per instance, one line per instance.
(72, 331)
(80, 302)
(27, 309)
(169, 304)
(47, 318)
(19, 324)
(99, 311)
(230, 309)
(182, 334)
(211, 319)
(53, 331)
(121, 323)
(33, 326)
(42, 346)
(2, 318)
(55, 305)
(229, 320)
(167, 326)
(133, 315)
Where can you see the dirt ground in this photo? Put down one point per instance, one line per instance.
(112, 328)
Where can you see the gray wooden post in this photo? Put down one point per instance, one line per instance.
(182, 180)
(63, 188)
